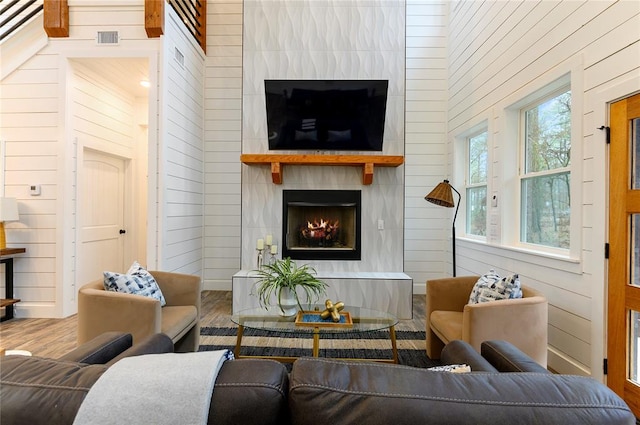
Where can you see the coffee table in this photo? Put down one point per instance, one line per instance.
(364, 320)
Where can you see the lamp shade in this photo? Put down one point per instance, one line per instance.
(441, 195)
(9, 209)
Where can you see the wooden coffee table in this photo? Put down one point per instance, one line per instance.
(364, 320)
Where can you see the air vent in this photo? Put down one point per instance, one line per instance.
(179, 57)
(108, 37)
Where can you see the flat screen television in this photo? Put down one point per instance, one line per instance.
(326, 114)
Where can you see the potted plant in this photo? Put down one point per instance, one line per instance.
(281, 278)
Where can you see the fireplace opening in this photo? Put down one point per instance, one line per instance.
(321, 224)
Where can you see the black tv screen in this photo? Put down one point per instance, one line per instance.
(326, 114)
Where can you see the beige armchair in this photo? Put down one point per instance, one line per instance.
(103, 311)
(522, 322)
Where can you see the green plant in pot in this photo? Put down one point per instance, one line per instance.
(281, 279)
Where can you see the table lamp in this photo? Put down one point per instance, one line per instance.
(441, 195)
(8, 212)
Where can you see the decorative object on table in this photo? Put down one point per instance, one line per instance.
(281, 279)
(259, 249)
(263, 247)
(314, 318)
(332, 310)
(8, 212)
(442, 195)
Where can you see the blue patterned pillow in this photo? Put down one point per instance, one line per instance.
(492, 287)
(137, 281)
(454, 368)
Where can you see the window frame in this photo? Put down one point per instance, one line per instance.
(569, 76)
(469, 185)
(523, 175)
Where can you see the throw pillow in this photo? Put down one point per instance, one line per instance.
(137, 281)
(454, 368)
(492, 287)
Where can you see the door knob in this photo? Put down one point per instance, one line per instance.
(122, 231)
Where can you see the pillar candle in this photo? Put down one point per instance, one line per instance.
(269, 239)
(260, 244)
(274, 249)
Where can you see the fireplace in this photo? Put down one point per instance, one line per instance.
(321, 224)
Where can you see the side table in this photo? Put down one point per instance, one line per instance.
(6, 258)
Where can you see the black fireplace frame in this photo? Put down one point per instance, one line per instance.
(325, 198)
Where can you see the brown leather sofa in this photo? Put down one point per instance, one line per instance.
(102, 311)
(506, 386)
(523, 321)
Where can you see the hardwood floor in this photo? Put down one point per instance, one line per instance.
(55, 337)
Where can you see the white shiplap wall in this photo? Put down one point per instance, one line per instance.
(39, 148)
(181, 152)
(222, 143)
(29, 131)
(499, 51)
(427, 228)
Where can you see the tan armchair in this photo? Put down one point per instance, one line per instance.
(522, 322)
(102, 311)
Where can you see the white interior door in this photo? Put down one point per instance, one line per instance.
(101, 201)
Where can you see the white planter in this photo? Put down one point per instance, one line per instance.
(288, 307)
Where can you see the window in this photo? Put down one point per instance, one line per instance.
(545, 194)
(476, 188)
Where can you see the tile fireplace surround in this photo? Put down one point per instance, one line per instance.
(327, 40)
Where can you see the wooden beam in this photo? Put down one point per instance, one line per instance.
(367, 173)
(56, 18)
(276, 173)
(154, 18)
(367, 162)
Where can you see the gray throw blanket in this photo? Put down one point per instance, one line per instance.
(171, 388)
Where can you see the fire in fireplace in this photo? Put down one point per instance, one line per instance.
(321, 224)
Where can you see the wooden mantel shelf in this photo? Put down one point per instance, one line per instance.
(367, 162)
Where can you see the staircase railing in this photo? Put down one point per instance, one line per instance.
(193, 14)
(16, 13)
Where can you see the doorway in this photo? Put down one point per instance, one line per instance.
(109, 125)
(623, 326)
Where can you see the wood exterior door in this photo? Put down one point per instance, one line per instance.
(623, 325)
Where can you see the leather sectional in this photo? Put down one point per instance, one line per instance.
(505, 386)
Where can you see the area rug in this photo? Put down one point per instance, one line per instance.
(370, 345)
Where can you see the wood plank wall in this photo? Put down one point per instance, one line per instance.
(223, 135)
(427, 227)
(181, 171)
(497, 52)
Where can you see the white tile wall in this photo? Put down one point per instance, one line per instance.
(324, 40)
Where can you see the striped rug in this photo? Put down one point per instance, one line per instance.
(369, 345)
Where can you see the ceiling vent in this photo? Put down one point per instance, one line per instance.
(108, 37)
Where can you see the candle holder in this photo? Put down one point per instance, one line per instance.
(259, 260)
(263, 247)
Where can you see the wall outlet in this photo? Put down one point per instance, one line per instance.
(380, 224)
(34, 190)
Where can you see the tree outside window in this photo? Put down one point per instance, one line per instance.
(545, 191)
(476, 191)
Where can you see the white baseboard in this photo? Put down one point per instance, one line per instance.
(216, 285)
(24, 310)
(562, 364)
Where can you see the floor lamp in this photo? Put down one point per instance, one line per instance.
(442, 195)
